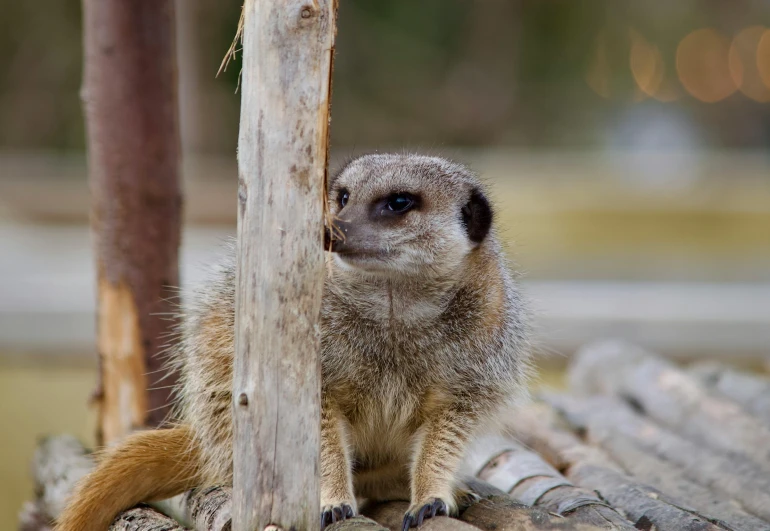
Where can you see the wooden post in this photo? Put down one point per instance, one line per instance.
(130, 99)
(282, 157)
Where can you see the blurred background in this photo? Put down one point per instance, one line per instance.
(626, 143)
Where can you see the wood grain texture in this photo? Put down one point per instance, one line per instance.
(209, 509)
(528, 478)
(32, 517)
(59, 463)
(716, 484)
(391, 515)
(671, 397)
(144, 518)
(501, 513)
(282, 159)
(592, 468)
(131, 110)
(751, 391)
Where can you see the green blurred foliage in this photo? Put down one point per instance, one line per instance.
(434, 72)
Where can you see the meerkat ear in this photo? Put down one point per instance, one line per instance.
(477, 216)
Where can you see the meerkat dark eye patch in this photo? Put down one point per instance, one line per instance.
(397, 204)
(342, 197)
(476, 216)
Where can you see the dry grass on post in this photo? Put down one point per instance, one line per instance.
(282, 159)
(131, 109)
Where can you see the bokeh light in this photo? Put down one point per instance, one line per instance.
(744, 64)
(763, 58)
(702, 62)
(646, 64)
(598, 73)
(649, 69)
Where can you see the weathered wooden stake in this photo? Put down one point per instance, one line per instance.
(282, 156)
(130, 99)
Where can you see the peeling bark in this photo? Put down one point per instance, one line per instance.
(131, 109)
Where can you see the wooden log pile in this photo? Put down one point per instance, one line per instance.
(635, 443)
(670, 448)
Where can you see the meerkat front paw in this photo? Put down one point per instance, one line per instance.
(333, 513)
(422, 511)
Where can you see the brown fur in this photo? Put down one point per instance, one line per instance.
(423, 344)
(147, 466)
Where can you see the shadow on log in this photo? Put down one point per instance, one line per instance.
(391, 515)
(144, 518)
(675, 465)
(528, 478)
(538, 427)
(669, 396)
(58, 464)
(752, 392)
(359, 523)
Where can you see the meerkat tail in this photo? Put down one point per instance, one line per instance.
(146, 466)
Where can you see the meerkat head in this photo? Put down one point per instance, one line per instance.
(406, 215)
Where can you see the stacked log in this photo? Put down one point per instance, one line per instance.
(61, 461)
(664, 445)
(635, 443)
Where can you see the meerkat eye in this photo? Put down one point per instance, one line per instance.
(400, 203)
(343, 197)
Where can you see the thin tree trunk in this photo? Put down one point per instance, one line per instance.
(282, 159)
(130, 99)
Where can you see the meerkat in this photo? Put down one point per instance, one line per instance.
(423, 344)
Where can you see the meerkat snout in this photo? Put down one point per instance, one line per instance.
(406, 215)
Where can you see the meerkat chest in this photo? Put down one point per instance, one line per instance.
(381, 378)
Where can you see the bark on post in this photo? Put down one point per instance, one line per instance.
(130, 99)
(282, 156)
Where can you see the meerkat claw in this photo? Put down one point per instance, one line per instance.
(332, 514)
(437, 507)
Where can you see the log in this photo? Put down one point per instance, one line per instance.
(144, 518)
(208, 509)
(528, 478)
(130, 100)
(359, 523)
(497, 513)
(538, 426)
(61, 461)
(32, 517)
(282, 159)
(627, 436)
(751, 391)
(58, 464)
(502, 513)
(671, 397)
(391, 515)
